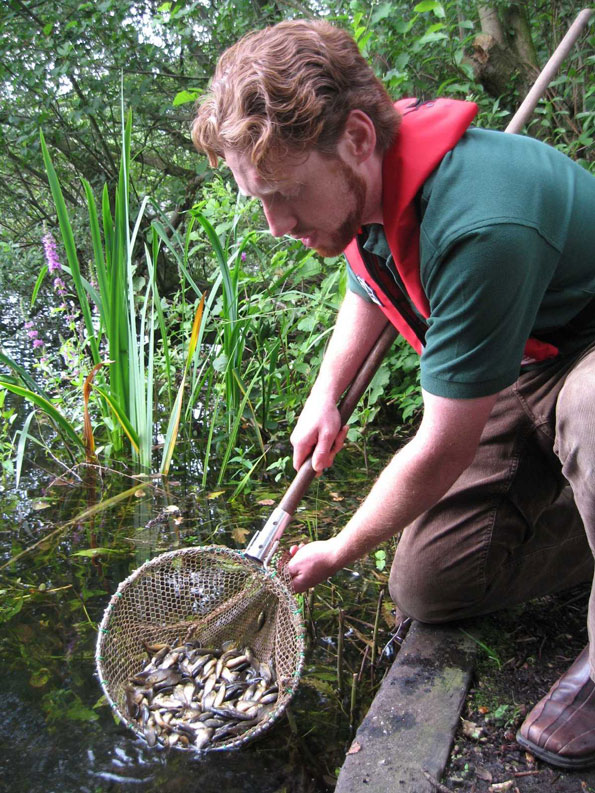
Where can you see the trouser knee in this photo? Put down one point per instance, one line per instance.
(429, 592)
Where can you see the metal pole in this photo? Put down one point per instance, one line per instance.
(547, 73)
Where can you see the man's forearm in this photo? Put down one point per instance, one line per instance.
(418, 475)
(409, 485)
(416, 478)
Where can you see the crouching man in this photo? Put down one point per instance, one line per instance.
(480, 248)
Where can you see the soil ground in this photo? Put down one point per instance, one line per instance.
(524, 650)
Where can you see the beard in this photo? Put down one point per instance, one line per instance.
(355, 186)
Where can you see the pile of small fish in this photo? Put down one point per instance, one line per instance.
(192, 697)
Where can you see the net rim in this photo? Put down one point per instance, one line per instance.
(217, 550)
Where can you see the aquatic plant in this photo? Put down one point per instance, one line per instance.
(120, 321)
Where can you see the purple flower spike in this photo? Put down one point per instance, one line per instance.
(32, 334)
(51, 254)
(37, 343)
(243, 256)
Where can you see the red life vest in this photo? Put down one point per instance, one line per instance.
(427, 132)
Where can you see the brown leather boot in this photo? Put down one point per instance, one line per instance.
(561, 727)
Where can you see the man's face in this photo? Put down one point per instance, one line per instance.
(319, 200)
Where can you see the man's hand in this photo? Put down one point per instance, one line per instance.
(312, 563)
(318, 431)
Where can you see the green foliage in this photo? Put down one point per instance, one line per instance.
(126, 322)
(8, 416)
(269, 304)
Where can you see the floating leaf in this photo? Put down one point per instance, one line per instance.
(92, 552)
(79, 712)
(239, 534)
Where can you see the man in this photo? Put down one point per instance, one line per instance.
(480, 248)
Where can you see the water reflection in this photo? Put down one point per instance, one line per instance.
(58, 735)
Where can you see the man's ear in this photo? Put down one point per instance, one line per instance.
(358, 139)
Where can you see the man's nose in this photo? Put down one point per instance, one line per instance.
(280, 218)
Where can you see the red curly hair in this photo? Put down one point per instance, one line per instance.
(287, 90)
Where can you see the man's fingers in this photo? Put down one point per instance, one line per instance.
(295, 548)
(323, 453)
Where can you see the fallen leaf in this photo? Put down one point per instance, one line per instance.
(471, 730)
(239, 535)
(177, 521)
(37, 505)
(140, 493)
(172, 508)
(266, 502)
(355, 747)
(336, 496)
(501, 787)
(484, 774)
(215, 494)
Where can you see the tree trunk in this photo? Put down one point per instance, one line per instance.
(522, 41)
(496, 62)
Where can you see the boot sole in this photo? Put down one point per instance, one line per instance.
(555, 759)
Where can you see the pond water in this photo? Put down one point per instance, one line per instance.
(57, 733)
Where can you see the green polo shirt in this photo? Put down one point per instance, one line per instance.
(507, 251)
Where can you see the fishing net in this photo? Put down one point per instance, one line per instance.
(209, 596)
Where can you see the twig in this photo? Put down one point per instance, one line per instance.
(353, 700)
(435, 784)
(376, 624)
(340, 654)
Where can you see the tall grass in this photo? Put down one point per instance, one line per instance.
(120, 323)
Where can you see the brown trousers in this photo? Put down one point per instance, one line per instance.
(520, 521)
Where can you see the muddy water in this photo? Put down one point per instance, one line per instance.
(57, 733)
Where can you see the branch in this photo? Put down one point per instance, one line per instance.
(27, 13)
(490, 23)
(94, 124)
(154, 160)
(41, 175)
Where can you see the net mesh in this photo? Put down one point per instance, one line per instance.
(207, 594)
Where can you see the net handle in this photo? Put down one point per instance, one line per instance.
(349, 400)
(263, 544)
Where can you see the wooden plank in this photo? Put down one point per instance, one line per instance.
(408, 731)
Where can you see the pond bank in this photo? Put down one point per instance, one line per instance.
(447, 712)
(407, 734)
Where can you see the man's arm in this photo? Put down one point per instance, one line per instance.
(318, 429)
(415, 479)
